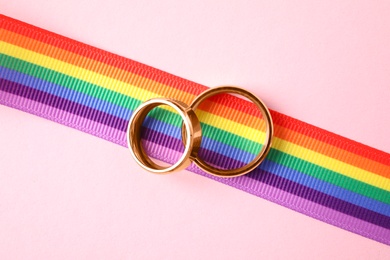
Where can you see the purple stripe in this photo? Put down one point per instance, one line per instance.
(64, 117)
(63, 104)
(244, 183)
(284, 198)
(262, 176)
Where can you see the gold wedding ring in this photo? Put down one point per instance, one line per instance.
(268, 137)
(192, 129)
(192, 134)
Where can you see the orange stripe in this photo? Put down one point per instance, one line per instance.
(333, 152)
(246, 119)
(96, 54)
(92, 65)
(128, 77)
(156, 87)
(330, 138)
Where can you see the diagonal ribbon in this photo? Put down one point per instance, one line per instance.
(308, 169)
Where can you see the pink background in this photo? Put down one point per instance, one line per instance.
(68, 195)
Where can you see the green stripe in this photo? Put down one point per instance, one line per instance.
(122, 100)
(328, 176)
(209, 131)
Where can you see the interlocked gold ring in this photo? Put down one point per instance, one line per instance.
(192, 129)
(268, 138)
(192, 134)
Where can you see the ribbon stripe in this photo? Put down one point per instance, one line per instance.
(308, 169)
(113, 122)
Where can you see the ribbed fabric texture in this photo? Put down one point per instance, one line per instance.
(310, 170)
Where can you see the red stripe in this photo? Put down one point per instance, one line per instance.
(191, 87)
(100, 55)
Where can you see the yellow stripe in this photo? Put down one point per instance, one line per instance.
(225, 124)
(122, 87)
(331, 163)
(230, 126)
(76, 72)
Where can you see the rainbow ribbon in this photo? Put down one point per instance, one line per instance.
(309, 170)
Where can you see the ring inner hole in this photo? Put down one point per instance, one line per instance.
(230, 138)
(161, 136)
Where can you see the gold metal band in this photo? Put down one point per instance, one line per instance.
(268, 138)
(192, 129)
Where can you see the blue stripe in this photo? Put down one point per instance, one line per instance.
(325, 187)
(207, 143)
(65, 92)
